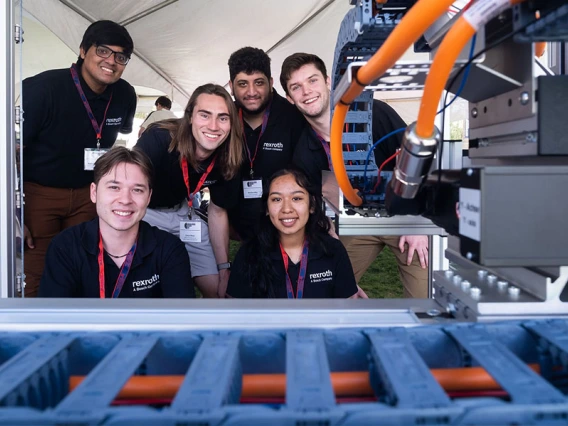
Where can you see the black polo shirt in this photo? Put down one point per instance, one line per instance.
(310, 155)
(57, 129)
(327, 276)
(275, 150)
(169, 186)
(160, 267)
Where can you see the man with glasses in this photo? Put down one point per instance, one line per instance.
(72, 116)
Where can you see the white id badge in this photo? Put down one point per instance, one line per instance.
(190, 231)
(252, 188)
(91, 156)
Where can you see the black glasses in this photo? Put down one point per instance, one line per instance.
(105, 52)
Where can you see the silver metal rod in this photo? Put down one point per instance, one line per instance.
(7, 154)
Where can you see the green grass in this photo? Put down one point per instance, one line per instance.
(382, 281)
(379, 282)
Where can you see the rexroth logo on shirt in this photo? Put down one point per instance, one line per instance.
(321, 276)
(146, 284)
(114, 121)
(273, 146)
(210, 182)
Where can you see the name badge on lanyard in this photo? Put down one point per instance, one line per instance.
(190, 231)
(91, 155)
(252, 188)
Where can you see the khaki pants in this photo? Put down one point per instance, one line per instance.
(47, 212)
(363, 250)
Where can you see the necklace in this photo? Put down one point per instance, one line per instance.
(117, 257)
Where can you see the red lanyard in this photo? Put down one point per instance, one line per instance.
(301, 276)
(185, 171)
(123, 270)
(262, 129)
(98, 127)
(325, 146)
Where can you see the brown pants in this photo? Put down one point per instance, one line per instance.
(47, 212)
(363, 250)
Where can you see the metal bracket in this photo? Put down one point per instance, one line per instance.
(18, 34)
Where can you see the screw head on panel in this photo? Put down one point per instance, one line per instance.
(491, 279)
(474, 112)
(502, 285)
(457, 279)
(482, 273)
(514, 291)
(465, 285)
(449, 274)
(524, 98)
(475, 292)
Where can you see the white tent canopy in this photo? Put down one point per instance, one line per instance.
(181, 44)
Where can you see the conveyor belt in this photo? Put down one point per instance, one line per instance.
(35, 369)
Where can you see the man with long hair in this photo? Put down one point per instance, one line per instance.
(71, 117)
(203, 149)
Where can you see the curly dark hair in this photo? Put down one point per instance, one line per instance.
(248, 60)
(259, 265)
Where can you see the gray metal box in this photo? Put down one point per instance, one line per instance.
(515, 216)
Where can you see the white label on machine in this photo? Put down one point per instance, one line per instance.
(482, 11)
(470, 213)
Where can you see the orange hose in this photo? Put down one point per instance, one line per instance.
(453, 43)
(411, 27)
(274, 385)
(539, 48)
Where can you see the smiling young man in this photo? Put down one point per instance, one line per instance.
(117, 254)
(71, 116)
(271, 128)
(307, 86)
(203, 149)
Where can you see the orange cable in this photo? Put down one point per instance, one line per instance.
(454, 41)
(414, 23)
(274, 385)
(539, 48)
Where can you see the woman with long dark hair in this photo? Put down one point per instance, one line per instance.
(293, 255)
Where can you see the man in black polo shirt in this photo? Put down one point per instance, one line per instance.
(117, 254)
(271, 128)
(71, 116)
(305, 81)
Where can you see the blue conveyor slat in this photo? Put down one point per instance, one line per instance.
(308, 384)
(214, 377)
(521, 383)
(405, 377)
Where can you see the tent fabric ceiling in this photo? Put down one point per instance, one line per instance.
(181, 44)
